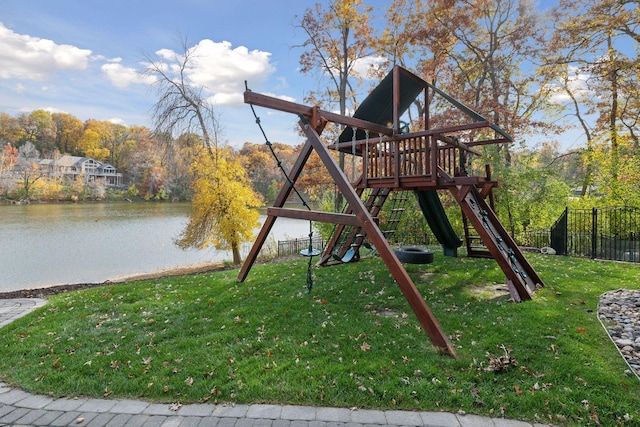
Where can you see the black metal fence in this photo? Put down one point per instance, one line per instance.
(294, 246)
(603, 233)
(534, 239)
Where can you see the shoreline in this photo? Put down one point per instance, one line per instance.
(45, 291)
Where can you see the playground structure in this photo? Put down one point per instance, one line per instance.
(391, 161)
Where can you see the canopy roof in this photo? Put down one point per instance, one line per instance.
(378, 106)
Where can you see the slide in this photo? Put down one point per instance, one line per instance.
(433, 211)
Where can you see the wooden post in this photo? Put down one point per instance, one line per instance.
(418, 305)
(286, 190)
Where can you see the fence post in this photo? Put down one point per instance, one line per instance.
(594, 232)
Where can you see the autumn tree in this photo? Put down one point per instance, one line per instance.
(338, 41)
(223, 206)
(11, 131)
(144, 164)
(27, 168)
(597, 40)
(262, 168)
(39, 129)
(91, 146)
(69, 130)
(8, 161)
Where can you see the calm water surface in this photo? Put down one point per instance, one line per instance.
(43, 245)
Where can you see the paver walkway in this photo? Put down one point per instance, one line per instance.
(19, 408)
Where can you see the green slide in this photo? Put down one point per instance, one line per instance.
(433, 212)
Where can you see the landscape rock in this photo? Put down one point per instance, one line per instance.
(619, 313)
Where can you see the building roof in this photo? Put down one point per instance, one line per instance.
(67, 160)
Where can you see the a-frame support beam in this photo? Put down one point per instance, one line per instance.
(426, 318)
(286, 190)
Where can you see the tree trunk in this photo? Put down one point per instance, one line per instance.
(235, 248)
(613, 119)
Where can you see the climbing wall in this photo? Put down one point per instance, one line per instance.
(522, 279)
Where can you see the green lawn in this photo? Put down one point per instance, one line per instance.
(352, 342)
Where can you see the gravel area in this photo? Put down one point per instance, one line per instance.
(619, 313)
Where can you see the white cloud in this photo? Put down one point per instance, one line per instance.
(121, 76)
(577, 83)
(365, 66)
(32, 58)
(221, 69)
(117, 121)
(53, 110)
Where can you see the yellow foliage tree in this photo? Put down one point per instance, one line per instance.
(89, 143)
(223, 211)
(223, 208)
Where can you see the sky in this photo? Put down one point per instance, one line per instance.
(82, 57)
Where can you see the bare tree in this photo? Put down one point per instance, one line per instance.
(181, 105)
(224, 205)
(27, 168)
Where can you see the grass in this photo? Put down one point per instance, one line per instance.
(352, 342)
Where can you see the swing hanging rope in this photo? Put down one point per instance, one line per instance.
(310, 252)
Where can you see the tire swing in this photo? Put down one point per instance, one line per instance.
(414, 255)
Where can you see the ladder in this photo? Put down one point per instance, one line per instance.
(475, 246)
(522, 279)
(356, 236)
(399, 201)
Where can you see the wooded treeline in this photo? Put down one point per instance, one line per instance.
(571, 71)
(153, 166)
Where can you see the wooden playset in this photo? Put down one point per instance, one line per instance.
(393, 160)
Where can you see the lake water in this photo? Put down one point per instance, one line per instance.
(44, 245)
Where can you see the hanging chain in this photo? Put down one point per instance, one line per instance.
(268, 143)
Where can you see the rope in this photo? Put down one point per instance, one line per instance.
(310, 252)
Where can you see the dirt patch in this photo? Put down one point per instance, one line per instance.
(487, 292)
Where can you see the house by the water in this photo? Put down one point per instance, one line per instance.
(91, 170)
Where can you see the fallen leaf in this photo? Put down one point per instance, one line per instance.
(516, 388)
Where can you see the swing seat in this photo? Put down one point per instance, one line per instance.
(348, 256)
(312, 252)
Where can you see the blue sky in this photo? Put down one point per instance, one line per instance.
(80, 57)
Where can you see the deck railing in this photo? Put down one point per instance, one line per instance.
(394, 159)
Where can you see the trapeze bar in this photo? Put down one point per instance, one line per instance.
(333, 218)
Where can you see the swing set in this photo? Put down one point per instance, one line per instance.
(395, 160)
